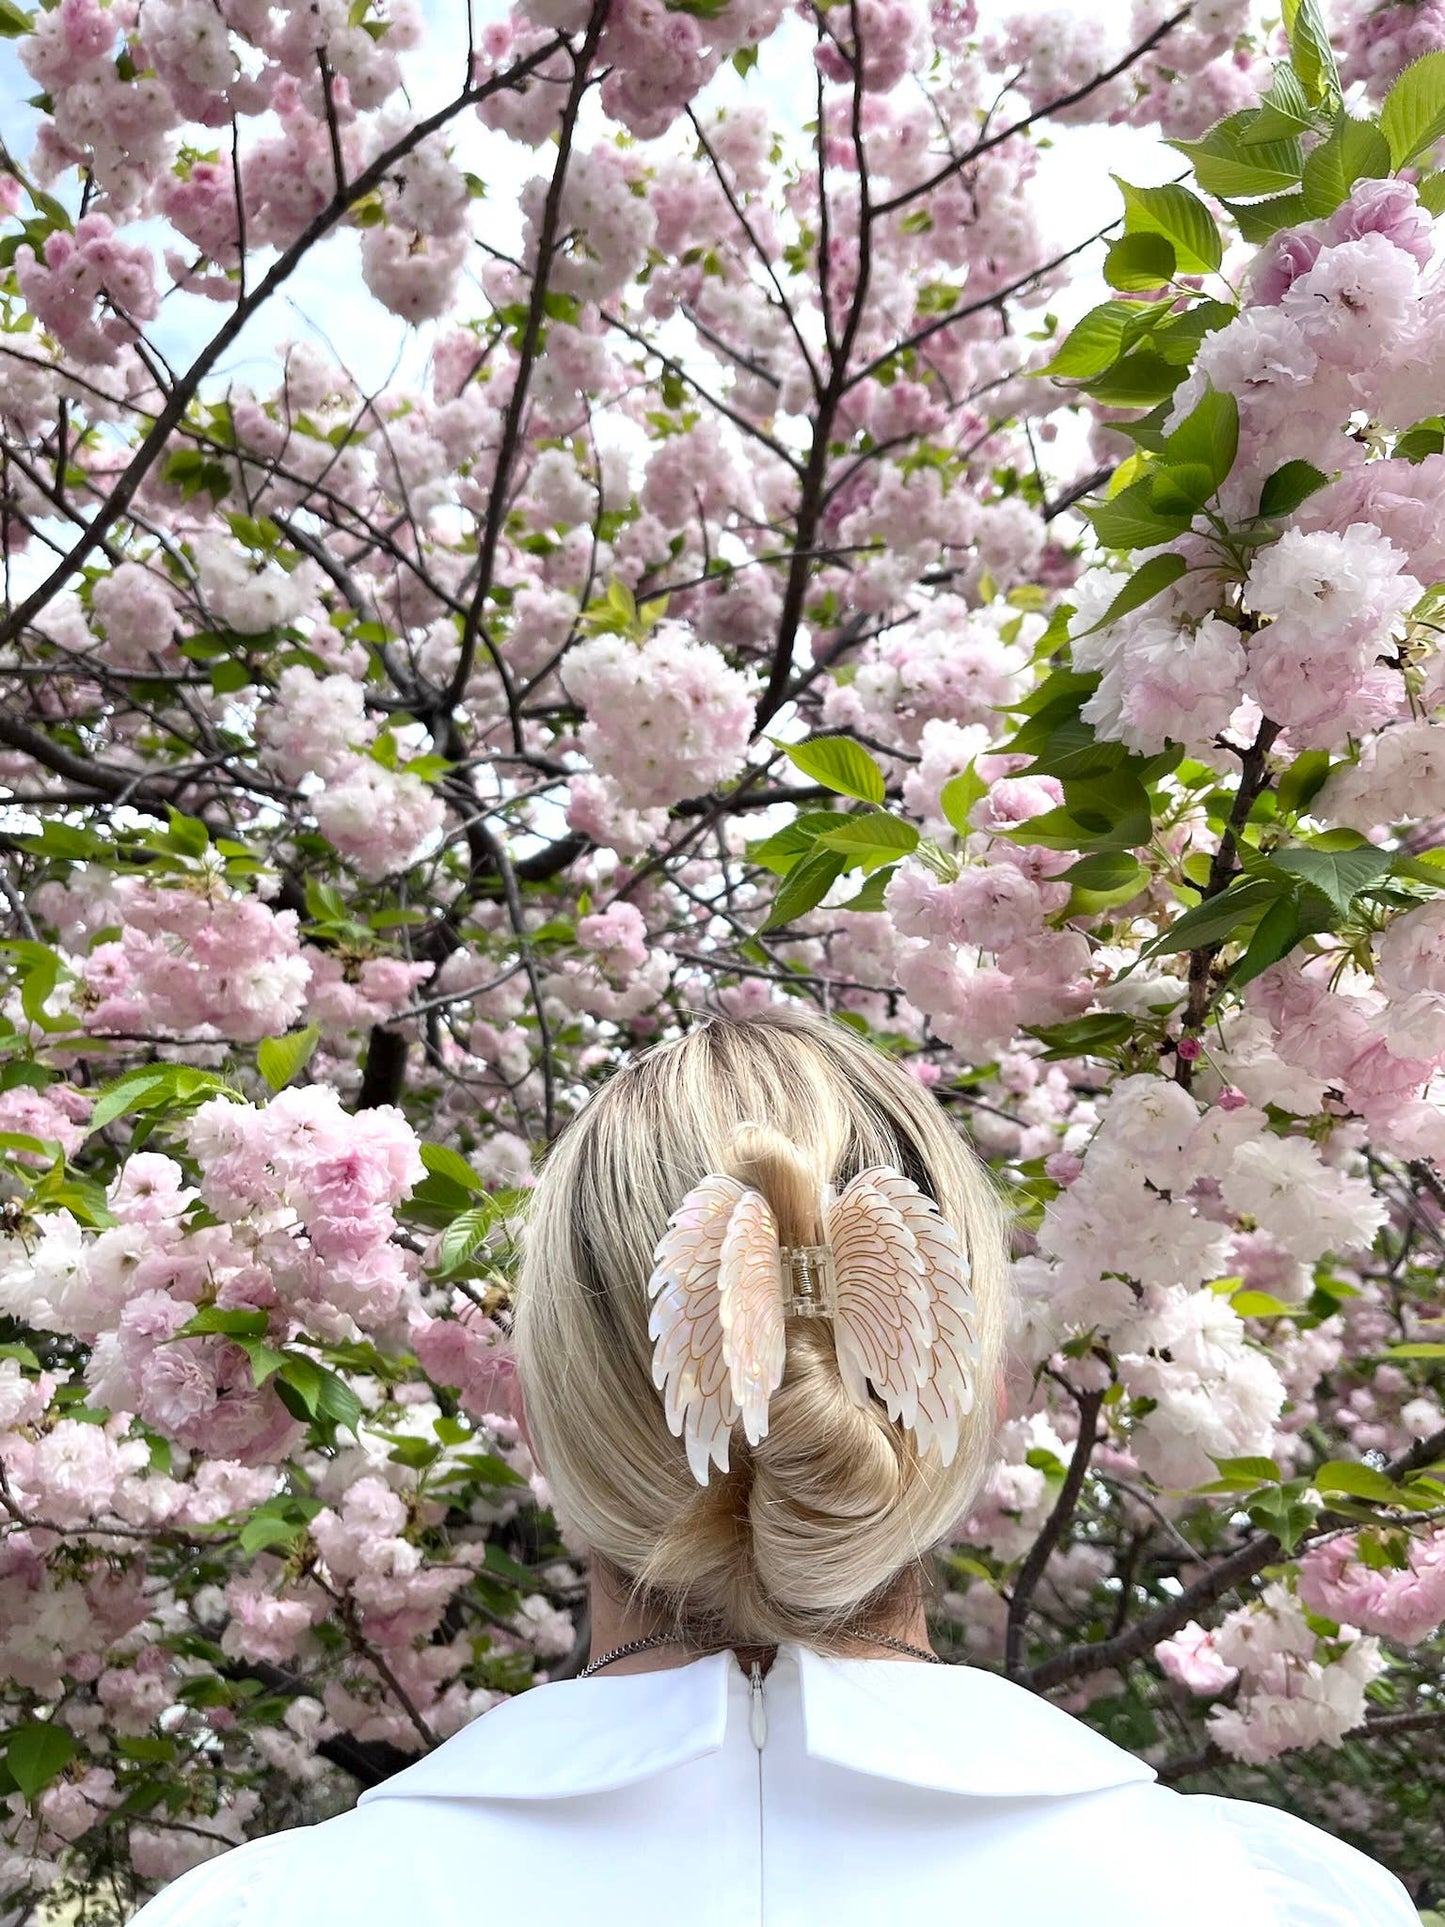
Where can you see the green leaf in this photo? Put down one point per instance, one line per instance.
(1137, 380)
(277, 1522)
(1425, 438)
(1261, 1471)
(338, 1402)
(1417, 1349)
(463, 1238)
(839, 764)
(188, 835)
(1431, 193)
(1339, 875)
(1289, 486)
(1129, 520)
(1275, 935)
(958, 796)
(1180, 218)
(1216, 919)
(14, 22)
(1283, 112)
(1258, 220)
(280, 1059)
(1224, 165)
(1310, 53)
(875, 837)
(1106, 871)
(238, 1321)
(38, 1753)
(130, 1092)
(1355, 150)
(781, 851)
(1182, 489)
(1109, 812)
(870, 898)
(1140, 261)
(1085, 1036)
(1260, 1304)
(1303, 780)
(443, 1162)
(1413, 116)
(1095, 343)
(1208, 437)
(1150, 579)
(1359, 1481)
(805, 887)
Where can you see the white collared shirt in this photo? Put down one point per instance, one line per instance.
(831, 1793)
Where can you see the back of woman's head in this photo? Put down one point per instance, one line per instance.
(813, 1531)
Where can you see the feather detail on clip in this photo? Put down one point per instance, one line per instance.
(750, 1305)
(945, 1388)
(688, 1366)
(904, 1321)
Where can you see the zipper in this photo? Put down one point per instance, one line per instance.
(758, 1728)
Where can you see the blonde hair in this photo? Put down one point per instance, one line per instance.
(818, 1529)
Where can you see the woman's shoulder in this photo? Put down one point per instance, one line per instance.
(220, 1891)
(1311, 1878)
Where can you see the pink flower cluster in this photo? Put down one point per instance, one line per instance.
(1296, 1690)
(196, 959)
(1402, 1601)
(667, 718)
(91, 290)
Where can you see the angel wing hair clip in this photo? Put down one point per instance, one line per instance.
(891, 1274)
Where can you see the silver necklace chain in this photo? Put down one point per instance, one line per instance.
(681, 1639)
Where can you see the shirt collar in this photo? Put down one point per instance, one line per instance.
(955, 1730)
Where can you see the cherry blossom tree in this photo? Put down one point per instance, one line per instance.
(746, 589)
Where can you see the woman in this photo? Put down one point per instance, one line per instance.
(759, 1327)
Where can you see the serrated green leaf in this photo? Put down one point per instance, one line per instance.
(1216, 919)
(1339, 875)
(839, 764)
(1310, 53)
(38, 1753)
(1094, 343)
(1303, 780)
(236, 1321)
(1354, 150)
(1258, 220)
(1208, 437)
(1131, 521)
(1137, 262)
(1359, 1481)
(1224, 165)
(280, 1059)
(1178, 217)
(868, 901)
(443, 1162)
(958, 796)
(1085, 1036)
(1413, 116)
(1263, 1471)
(1290, 485)
(875, 835)
(805, 887)
(1150, 579)
(463, 1238)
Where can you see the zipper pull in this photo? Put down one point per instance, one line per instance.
(757, 1712)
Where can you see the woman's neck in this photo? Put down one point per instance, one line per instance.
(617, 1623)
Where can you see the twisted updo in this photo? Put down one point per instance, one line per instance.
(813, 1533)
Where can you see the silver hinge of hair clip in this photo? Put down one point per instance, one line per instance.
(808, 1277)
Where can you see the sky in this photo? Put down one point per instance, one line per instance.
(327, 300)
